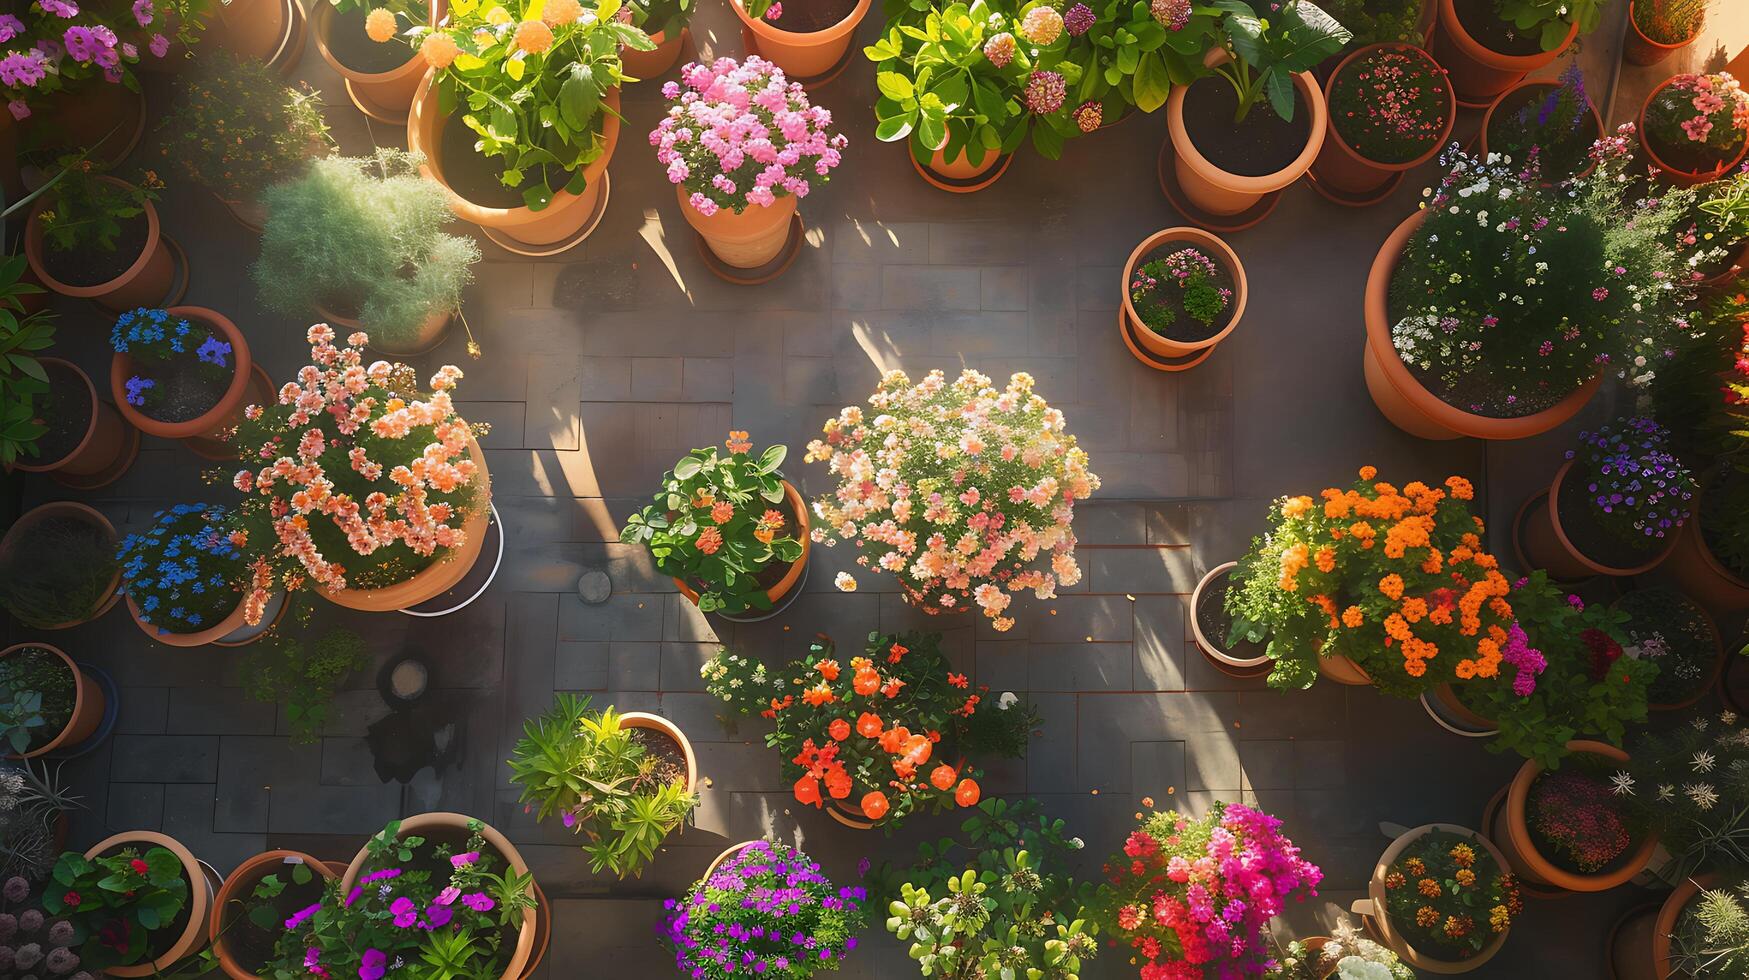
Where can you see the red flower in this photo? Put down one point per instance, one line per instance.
(957, 680)
(897, 653)
(839, 729)
(1604, 652)
(967, 794)
(139, 866)
(1140, 845)
(71, 899)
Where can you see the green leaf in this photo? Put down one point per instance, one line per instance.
(1279, 86)
(688, 468)
(894, 85)
(1152, 82)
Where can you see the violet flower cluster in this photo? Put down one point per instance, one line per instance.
(1637, 488)
(766, 911)
(64, 42)
(739, 134)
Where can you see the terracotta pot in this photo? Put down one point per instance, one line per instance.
(1494, 106)
(961, 168)
(1374, 906)
(88, 705)
(1638, 49)
(1315, 946)
(1455, 716)
(430, 822)
(543, 931)
(728, 853)
(1216, 249)
(1403, 400)
(230, 624)
(1342, 670)
(1698, 572)
(559, 220)
(645, 65)
(440, 576)
(1341, 167)
(1215, 190)
(848, 815)
(145, 282)
(200, 898)
(1715, 672)
(106, 435)
(389, 92)
(1479, 73)
(1639, 945)
(799, 509)
(78, 117)
(19, 533)
(1511, 829)
(250, 28)
(747, 240)
(1544, 543)
(238, 886)
(657, 723)
(1677, 175)
(1214, 647)
(802, 55)
(428, 336)
(209, 423)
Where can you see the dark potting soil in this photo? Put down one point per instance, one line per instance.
(1595, 541)
(66, 410)
(1261, 144)
(184, 395)
(1691, 647)
(90, 264)
(475, 176)
(1691, 157)
(250, 944)
(1481, 19)
(670, 762)
(352, 47)
(1212, 619)
(809, 16)
(1183, 327)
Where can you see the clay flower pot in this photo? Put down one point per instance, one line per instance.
(728, 853)
(1342, 670)
(107, 439)
(209, 424)
(1542, 539)
(1252, 661)
(1698, 572)
(88, 705)
(747, 240)
(848, 815)
(239, 886)
(1511, 830)
(145, 282)
(1674, 174)
(384, 96)
(1410, 406)
(961, 167)
(80, 116)
(1477, 72)
(661, 725)
(223, 628)
(799, 509)
(429, 335)
(1638, 49)
(452, 828)
(1374, 906)
(1530, 85)
(1341, 167)
(200, 898)
(1639, 947)
(559, 221)
(802, 56)
(251, 28)
(1209, 245)
(18, 536)
(1450, 713)
(645, 65)
(1215, 190)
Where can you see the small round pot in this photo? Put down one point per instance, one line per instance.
(848, 815)
(1674, 174)
(106, 438)
(1218, 250)
(200, 898)
(250, 28)
(1343, 670)
(961, 167)
(78, 117)
(145, 282)
(1477, 72)
(661, 725)
(224, 627)
(1450, 713)
(747, 240)
(1542, 539)
(645, 65)
(1511, 829)
(20, 532)
(1343, 168)
(1214, 647)
(1494, 106)
(794, 575)
(381, 95)
(1639, 946)
(1698, 572)
(1638, 49)
(802, 55)
(429, 335)
(1410, 406)
(1215, 190)
(88, 705)
(1375, 906)
(209, 423)
(238, 886)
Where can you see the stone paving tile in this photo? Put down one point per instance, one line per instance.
(164, 758)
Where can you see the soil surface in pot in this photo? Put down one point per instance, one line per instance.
(811, 16)
(668, 761)
(477, 177)
(1261, 144)
(1162, 307)
(352, 47)
(1482, 21)
(1560, 154)
(1594, 540)
(66, 410)
(39, 670)
(1212, 619)
(159, 941)
(182, 395)
(250, 944)
(89, 264)
(1586, 819)
(1672, 630)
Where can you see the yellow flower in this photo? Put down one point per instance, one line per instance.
(533, 36)
(379, 24)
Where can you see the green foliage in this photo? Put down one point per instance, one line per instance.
(1690, 786)
(237, 127)
(666, 17)
(1552, 19)
(23, 380)
(304, 676)
(90, 210)
(33, 801)
(1726, 204)
(57, 571)
(37, 697)
(1377, 21)
(116, 901)
(1711, 941)
(1267, 47)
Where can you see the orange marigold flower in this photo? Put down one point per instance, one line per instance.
(709, 540)
(894, 737)
(892, 687)
(1460, 488)
(868, 725)
(738, 442)
(866, 682)
(1414, 608)
(1326, 559)
(897, 653)
(557, 13)
(1368, 472)
(916, 749)
(837, 783)
(942, 777)
(808, 790)
(828, 669)
(839, 729)
(722, 512)
(1295, 506)
(1396, 628)
(1391, 586)
(439, 50)
(1426, 917)
(533, 36)
(1352, 617)
(379, 26)
(1293, 559)
(1429, 887)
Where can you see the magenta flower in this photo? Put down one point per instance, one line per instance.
(463, 860)
(60, 8)
(10, 27)
(1079, 19)
(773, 12)
(479, 901)
(1045, 91)
(22, 68)
(160, 45)
(143, 12)
(373, 965)
(18, 108)
(406, 913)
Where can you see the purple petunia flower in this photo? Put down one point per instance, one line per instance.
(298, 917)
(406, 913)
(160, 45)
(24, 68)
(143, 12)
(10, 27)
(60, 8)
(479, 902)
(373, 965)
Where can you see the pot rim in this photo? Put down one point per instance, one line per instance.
(728, 225)
(1467, 44)
(34, 250)
(1450, 108)
(1652, 153)
(1203, 239)
(1310, 92)
(815, 39)
(321, 22)
(199, 897)
(1554, 493)
(1214, 649)
(655, 722)
(225, 627)
(90, 513)
(239, 876)
(120, 363)
(81, 692)
(1664, 926)
(1518, 826)
(1660, 45)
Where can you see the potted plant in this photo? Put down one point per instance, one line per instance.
(1243, 868)
(251, 908)
(1052, 473)
(1669, 629)
(380, 79)
(304, 675)
(34, 804)
(1385, 21)
(1126, 56)
(541, 88)
(1391, 109)
(359, 242)
(1681, 786)
(83, 441)
(1695, 127)
(730, 530)
(1211, 626)
(1490, 45)
(58, 567)
(1007, 869)
(1345, 954)
(741, 200)
(1376, 585)
(1721, 230)
(367, 426)
(237, 129)
(47, 702)
(95, 237)
(1555, 120)
(1702, 931)
(25, 329)
(137, 901)
(183, 577)
(1442, 898)
(1658, 29)
(805, 40)
(1184, 292)
(32, 943)
(665, 22)
(1615, 505)
(626, 780)
(439, 889)
(727, 923)
(182, 373)
(1228, 157)
(1572, 829)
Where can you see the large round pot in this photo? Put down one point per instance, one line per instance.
(239, 886)
(145, 282)
(1477, 72)
(1674, 174)
(19, 533)
(106, 439)
(560, 220)
(1511, 830)
(1215, 190)
(1698, 572)
(1213, 588)
(1542, 539)
(1374, 906)
(223, 628)
(644, 65)
(88, 704)
(1343, 670)
(1531, 85)
(209, 423)
(430, 333)
(250, 28)
(800, 510)
(381, 95)
(1340, 166)
(1450, 713)
(1216, 249)
(662, 726)
(439, 576)
(1638, 49)
(802, 56)
(1410, 406)
(431, 826)
(1639, 947)
(200, 897)
(747, 240)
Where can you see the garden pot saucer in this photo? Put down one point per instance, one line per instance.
(290, 49)
(1435, 711)
(1489, 813)
(277, 604)
(761, 615)
(1348, 200)
(473, 585)
(111, 710)
(1537, 500)
(750, 44)
(1208, 221)
(112, 473)
(509, 244)
(1153, 360)
(1645, 909)
(738, 276)
(963, 185)
(374, 109)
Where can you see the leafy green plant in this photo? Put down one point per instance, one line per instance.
(1266, 48)
(1690, 786)
(32, 802)
(1727, 205)
(1376, 21)
(304, 676)
(1552, 19)
(1711, 941)
(665, 17)
(57, 571)
(37, 697)
(91, 211)
(117, 901)
(1133, 53)
(237, 127)
(22, 377)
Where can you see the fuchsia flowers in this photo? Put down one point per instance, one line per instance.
(49, 51)
(738, 134)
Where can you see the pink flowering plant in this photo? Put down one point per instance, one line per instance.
(356, 478)
(739, 135)
(50, 45)
(1699, 122)
(1390, 104)
(965, 491)
(1193, 896)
